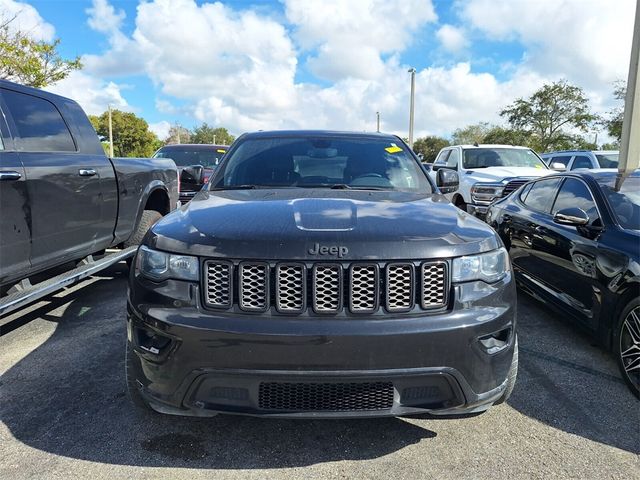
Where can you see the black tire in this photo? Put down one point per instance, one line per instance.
(627, 339)
(460, 203)
(511, 377)
(147, 220)
(133, 388)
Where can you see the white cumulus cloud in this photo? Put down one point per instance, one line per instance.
(452, 38)
(26, 19)
(349, 38)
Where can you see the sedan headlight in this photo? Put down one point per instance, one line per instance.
(158, 266)
(489, 267)
(485, 193)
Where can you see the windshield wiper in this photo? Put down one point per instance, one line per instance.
(342, 186)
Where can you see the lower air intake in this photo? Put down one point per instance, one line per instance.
(326, 397)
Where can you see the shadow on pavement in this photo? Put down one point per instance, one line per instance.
(67, 397)
(567, 381)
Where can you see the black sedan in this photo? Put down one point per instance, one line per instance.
(574, 241)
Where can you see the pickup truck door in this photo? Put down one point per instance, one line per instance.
(15, 228)
(64, 192)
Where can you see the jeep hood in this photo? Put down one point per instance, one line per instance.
(285, 224)
(497, 174)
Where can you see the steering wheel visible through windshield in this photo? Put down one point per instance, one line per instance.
(350, 162)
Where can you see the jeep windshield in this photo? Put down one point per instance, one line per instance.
(501, 157)
(338, 162)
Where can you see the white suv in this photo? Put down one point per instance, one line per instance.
(576, 159)
(488, 172)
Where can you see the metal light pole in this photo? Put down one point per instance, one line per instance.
(110, 134)
(378, 122)
(630, 142)
(412, 71)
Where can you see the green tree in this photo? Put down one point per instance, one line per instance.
(178, 134)
(207, 134)
(470, 134)
(34, 63)
(549, 113)
(429, 147)
(506, 136)
(613, 122)
(131, 134)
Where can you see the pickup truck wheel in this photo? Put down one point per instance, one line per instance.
(460, 203)
(511, 377)
(147, 220)
(133, 389)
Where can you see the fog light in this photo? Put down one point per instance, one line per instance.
(151, 342)
(495, 342)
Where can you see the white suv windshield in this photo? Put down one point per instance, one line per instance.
(501, 157)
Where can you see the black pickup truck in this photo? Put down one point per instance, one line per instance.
(61, 198)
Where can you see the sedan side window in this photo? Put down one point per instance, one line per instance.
(541, 195)
(581, 161)
(574, 193)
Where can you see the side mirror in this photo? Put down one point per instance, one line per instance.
(447, 180)
(192, 174)
(574, 217)
(558, 167)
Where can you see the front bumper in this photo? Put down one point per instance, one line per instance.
(207, 363)
(479, 211)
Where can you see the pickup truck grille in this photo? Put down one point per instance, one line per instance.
(513, 185)
(326, 288)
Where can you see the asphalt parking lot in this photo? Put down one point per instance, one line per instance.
(64, 413)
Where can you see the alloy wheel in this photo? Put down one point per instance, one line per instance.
(630, 346)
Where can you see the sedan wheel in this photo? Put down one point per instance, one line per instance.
(629, 353)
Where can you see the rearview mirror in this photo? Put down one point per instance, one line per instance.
(559, 167)
(447, 180)
(574, 217)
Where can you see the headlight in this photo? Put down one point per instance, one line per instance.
(486, 192)
(160, 266)
(489, 267)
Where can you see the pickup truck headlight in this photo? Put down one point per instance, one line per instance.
(158, 266)
(485, 193)
(489, 267)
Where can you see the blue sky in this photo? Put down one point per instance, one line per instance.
(330, 64)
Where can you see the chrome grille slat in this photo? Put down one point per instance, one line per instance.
(254, 286)
(327, 288)
(434, 285)
(514, 185)
(218, 291)
(400, 293)
(363, 288)
(291, 288)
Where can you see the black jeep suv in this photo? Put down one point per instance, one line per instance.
(321, 274)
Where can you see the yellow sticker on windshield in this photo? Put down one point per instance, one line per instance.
(221, 150)
(538, 165)
(393, 148)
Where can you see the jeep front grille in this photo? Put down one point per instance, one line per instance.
(326, 288)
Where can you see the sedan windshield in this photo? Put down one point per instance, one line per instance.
(607, 160)
(189, 155)
(340, 162)
(501, 157)
(625, 202)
